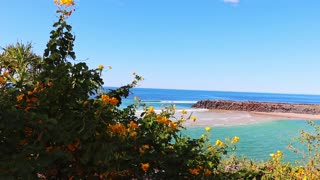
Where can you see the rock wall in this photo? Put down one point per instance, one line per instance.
(258, 106)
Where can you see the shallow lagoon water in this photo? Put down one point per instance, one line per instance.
(257, 141)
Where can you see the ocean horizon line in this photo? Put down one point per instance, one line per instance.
(231, 91)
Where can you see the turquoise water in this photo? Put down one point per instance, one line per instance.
(257, 141)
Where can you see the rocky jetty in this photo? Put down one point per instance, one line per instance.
(258, 106)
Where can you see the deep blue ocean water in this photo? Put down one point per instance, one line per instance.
(257, 141)
(184, 99)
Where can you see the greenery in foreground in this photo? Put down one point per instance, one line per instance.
(50, 129)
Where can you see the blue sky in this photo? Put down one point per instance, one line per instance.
(245, 45)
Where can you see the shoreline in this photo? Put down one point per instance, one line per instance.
(218, 118)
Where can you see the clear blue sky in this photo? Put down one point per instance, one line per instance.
(246, 45)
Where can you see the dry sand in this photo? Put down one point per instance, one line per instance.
(231, 118)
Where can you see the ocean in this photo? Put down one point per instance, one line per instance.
(257, 141)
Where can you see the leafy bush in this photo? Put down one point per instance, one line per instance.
(50, 128)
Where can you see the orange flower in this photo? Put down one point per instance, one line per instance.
(49, 83)
(133, 134)
(114, 101)
(20, 97)
(207, 172)
(105, 98)
(133, 125)
(5, 74)
(163, 120)
(174, 125)
(194, 171)
(145, 166)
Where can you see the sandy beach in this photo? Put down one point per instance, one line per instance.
(231, 118)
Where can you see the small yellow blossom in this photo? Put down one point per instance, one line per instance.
(273, 155)
(194, 118)
(146, 146)
(64, 2)
(151, 109)
(184, 111)
(174, 107)
(145, 166)
(170, 147)
(219, 143)
(279, 153)
(100, 67)
(207, 129)
(235, 139)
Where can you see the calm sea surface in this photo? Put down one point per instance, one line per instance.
(257, 140)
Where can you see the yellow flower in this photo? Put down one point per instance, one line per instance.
(219, 143)
(194, 118)
(146, 146)
(64, 2)
(235, 139)
(100, 67)
(145, 166)
(170, 147)
(20, 97)
(273, 155)
(279, 153)
(184, 112)
(174, 107)
(207, 129)
(151, 109)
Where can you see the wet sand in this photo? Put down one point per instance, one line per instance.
(231, 118)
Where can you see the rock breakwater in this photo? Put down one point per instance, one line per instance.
(258, 106)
